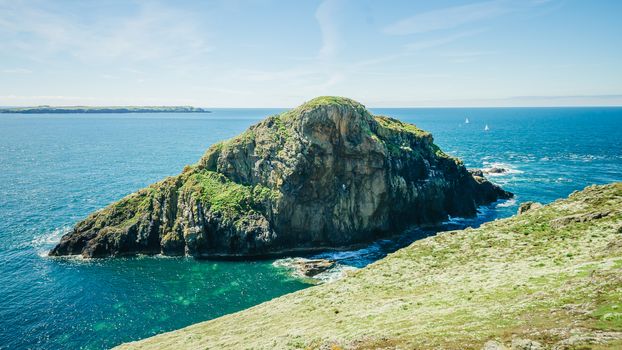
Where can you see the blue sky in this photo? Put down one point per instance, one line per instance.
(253, 53)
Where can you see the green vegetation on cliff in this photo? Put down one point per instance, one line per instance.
(550, 278)
(224, 196)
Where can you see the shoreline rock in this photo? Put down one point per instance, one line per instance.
(495, 170)
(307, 267)
(327, 173)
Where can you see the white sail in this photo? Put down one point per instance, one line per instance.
(466, 121)
(486, 128)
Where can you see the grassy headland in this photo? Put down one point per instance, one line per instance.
(551, 277)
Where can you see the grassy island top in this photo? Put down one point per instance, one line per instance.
(552, 275)
(104, 109)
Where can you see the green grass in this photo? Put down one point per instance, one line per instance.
(399, 126)
(225, 196)
(456, 290)
(321, 102)
(330, 100)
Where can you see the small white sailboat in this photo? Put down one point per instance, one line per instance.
(466, 121)
(486, 128)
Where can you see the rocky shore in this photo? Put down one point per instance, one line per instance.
(325, 174)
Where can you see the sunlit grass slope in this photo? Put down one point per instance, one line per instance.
(552, 276)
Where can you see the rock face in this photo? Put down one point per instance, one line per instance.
(326, 174)
(527, 206)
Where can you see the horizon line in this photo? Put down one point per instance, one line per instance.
(289, 107)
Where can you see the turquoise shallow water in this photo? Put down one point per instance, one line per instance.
(55, 169)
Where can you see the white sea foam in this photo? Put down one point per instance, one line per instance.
(43, 243)
(507, 203)
(510, 169)
(336, 272)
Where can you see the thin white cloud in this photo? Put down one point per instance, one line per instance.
(152, 32)
(255, 75)
(325, 16)
(469, 54)
(447, 18)
(45, 97)
(16, 71)
(66, 100)
(515, 101)
(429, 43)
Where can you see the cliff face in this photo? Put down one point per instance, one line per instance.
(325, 174)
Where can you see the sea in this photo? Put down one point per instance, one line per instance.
(57, 168)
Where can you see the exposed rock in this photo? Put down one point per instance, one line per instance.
(495, 170)
(526, 344)
(326, 174)
(310, 267)
(563, 221)
(494, 345)
(527, 206)
(484, 171)
(583, 339)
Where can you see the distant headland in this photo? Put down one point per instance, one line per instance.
(111, 109)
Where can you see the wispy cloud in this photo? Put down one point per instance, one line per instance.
(153, 31)
(456, 16)
(514, 101)
(46, 97)
(256, 75)
(325, 16)
(16, 71)
(66, 100)
(468, 54)
(446, 18)
(429, 43)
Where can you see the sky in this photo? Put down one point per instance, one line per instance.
(269, 53)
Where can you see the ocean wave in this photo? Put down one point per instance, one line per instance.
(351, 256)
(578, 157)
(506, 203)
(43, 243)
(335, 273)
(510, 169)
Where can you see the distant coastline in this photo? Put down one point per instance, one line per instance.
(112, 109)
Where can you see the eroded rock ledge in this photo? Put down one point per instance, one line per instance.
(326, 174)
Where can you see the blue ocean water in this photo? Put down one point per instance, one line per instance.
(55, 169)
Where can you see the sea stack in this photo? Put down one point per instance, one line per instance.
(325, 174)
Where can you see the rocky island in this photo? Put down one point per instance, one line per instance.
(107, 109)
(327, 174)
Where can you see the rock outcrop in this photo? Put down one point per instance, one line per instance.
(303, 267)
(326, 174)
(527, 206)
